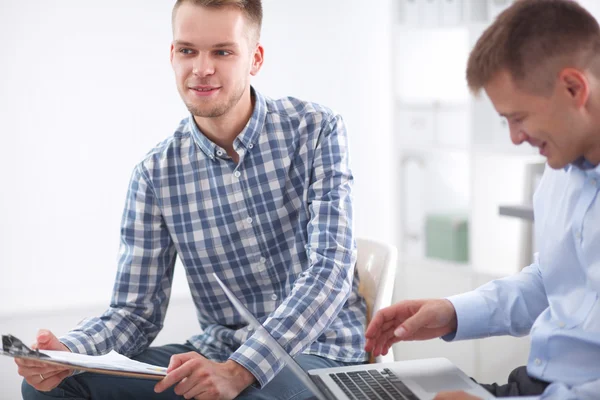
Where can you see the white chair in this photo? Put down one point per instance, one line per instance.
(376, 265)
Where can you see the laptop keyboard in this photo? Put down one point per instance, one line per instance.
(372, 384)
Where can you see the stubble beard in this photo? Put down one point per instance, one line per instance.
(216, 110)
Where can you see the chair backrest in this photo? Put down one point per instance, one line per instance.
(376, 264)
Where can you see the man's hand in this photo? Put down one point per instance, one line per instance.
(44, 377)
(460, 395)
(199, 378)
(409, 320)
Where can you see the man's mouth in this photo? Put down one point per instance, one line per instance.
(200, 89)
(204, 90)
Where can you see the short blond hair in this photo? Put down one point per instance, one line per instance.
(534, 40)
(252, 9)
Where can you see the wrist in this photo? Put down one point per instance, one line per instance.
(240, 374)
(65, 347)
(453, 323)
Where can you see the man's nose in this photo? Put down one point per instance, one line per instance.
(517, 135)
(203, 66)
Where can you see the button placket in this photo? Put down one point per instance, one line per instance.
(244, 220)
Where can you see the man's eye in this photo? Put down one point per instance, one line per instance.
(222, 53)
(186, 51)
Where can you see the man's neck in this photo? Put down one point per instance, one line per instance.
(593, 155)
(223, 130)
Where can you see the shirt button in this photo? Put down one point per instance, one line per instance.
(249, 220)
(250, 146)
(562, 324)
(577, 235)
(594, 182)
(538, 361)
(237, 174)
(273, 297)
(262, 260)
(219, 153)
(249, 328)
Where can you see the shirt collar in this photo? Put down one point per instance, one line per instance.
(585, 166)
(247, 137)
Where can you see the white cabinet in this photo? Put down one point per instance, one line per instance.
(454, 158)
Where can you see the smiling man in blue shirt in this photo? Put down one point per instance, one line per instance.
(539, 63)
(254, 189)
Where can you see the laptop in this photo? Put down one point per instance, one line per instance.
(410, 380)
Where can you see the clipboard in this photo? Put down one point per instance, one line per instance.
(111, 364)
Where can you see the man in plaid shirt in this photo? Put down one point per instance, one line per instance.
(254, 189)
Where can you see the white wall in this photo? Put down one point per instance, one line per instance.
(339, 53)
(86, 90)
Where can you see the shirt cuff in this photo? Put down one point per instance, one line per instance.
(256, 357)
(473, 317)
(79, 342)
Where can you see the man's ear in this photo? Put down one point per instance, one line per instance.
(575, 84)
(171, 53)
(257, 59)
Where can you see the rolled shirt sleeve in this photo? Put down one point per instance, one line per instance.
(322, 289)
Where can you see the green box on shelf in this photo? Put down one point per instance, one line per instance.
(447, 237)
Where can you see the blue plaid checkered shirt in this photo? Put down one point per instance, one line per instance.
(276, 227)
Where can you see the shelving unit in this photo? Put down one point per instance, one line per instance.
(454, 157)
(454, 150)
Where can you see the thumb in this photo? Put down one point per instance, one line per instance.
(412, 325)
(47, 341)
(175, 362)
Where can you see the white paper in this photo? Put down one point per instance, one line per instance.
(111, 361)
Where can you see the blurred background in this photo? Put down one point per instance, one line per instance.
(86, 89)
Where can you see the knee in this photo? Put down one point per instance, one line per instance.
(30, 393)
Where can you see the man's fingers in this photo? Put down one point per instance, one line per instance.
(28, 363)
(46, 340)
(384, 317)
(175, 362)
(43, 371)
(378, 345)
(51, 382)
(201, 392)
(37, 367)
(190, 386)
(412, 325)
(52, 373)
(455, 395)
(176, 375)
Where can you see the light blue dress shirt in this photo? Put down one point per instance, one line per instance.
(555, 299)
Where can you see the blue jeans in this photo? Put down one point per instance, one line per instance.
(285, 385)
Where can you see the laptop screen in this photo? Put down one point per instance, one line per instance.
(274, 345)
